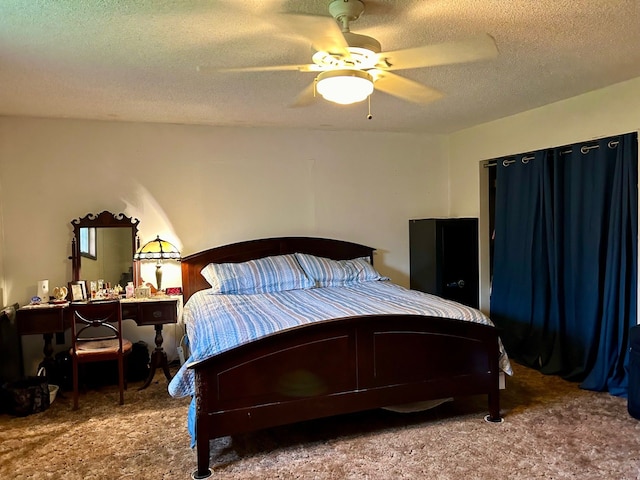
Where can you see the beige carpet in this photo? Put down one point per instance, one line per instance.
(552, 430)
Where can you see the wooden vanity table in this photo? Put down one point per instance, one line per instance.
(46, 320)
(103, 247)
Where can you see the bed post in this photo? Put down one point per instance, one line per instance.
(494, 393)
(494, 408)
(202, 450)
(202, 435)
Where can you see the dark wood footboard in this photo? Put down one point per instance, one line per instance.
(341, 366)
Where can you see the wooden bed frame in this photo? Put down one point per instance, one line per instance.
(332, 367)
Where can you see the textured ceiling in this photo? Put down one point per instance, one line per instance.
(136, 60)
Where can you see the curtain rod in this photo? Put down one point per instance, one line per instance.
(511, 159)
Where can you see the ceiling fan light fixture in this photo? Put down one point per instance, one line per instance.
(344, 86)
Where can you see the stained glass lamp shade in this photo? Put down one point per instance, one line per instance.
(158, 250)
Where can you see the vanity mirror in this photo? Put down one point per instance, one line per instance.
(103, 246)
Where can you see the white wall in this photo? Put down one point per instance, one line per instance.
(609, 111)
(200, 187)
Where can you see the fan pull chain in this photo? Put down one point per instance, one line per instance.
(369, 116)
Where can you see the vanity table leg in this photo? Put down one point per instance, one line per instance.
(158, 359)
(48, 363)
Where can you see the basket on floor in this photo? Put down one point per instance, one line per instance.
(53, 389)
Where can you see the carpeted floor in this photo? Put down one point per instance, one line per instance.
(552, 430)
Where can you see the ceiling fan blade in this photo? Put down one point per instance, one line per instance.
(323, 32)
(267, 68)
(404, 88)
(306, 97)
(482, 47)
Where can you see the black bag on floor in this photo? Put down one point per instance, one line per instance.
(138, 362)
(62, 373)
(26, 396)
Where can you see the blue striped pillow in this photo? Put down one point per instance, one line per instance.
(336, 273)
(264, 275)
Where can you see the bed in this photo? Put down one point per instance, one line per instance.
(337, 363)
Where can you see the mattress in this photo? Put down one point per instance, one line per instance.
(216, 322)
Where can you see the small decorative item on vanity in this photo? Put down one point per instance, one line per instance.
(43, 291)
(78, 290)
(129, 290)
(143, 292)
(174, 291)
(60, 294)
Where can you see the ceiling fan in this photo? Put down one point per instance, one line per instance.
(349, 66)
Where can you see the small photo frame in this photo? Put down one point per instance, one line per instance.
(78, 291)
(143, 292)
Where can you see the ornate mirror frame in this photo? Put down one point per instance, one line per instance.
(105, 219)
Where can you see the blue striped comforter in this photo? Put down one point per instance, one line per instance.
(216, 323)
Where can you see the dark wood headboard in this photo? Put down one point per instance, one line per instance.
(192, 265)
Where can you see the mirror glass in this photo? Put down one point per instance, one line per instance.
(103, 248)
(109, 256)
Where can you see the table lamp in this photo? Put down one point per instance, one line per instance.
(158, 250)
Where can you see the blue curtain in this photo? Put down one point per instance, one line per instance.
(565, 259)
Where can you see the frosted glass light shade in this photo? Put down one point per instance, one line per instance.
(344, 86)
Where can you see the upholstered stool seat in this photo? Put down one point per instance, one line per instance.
(107, 347)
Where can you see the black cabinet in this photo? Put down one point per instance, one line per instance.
(444, 258)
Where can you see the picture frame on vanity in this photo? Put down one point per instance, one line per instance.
(78, 290)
